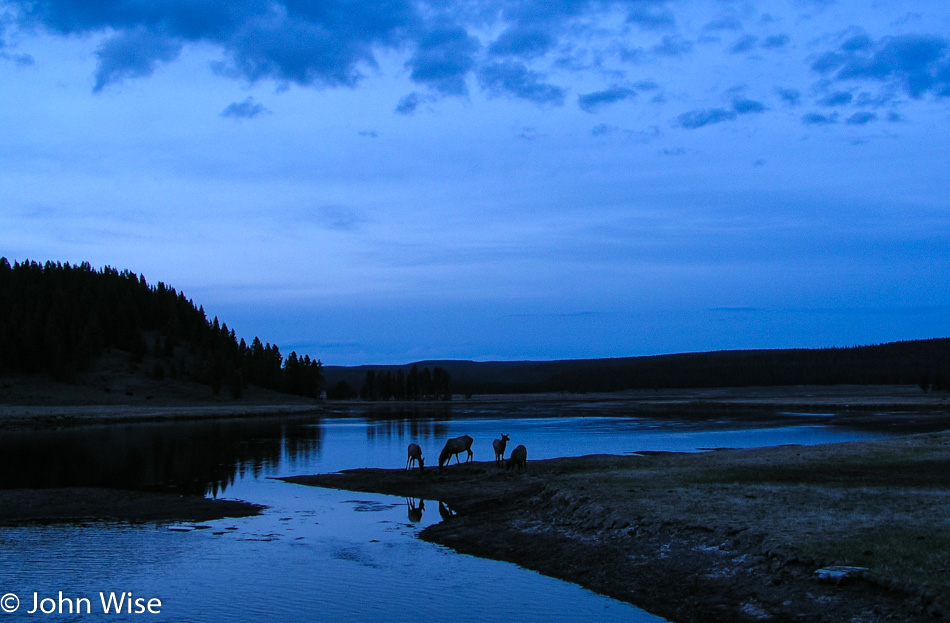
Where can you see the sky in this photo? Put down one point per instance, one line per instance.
(396, 181)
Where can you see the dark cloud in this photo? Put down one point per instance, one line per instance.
(792, 97)
(602, 130)
(133, 54)
(594, 101)
(828, 62)
(838, 98)
(522, 42)
(775, 41)
(814, 118)
(917, 64)
(857, 43)
(725, 23)
(248, 109)
(516, 80)
(698, 118)
(443, 59)
(409, 103)
(672, 45)
(646, 85)
(651, 17)
(861, 118)
(744, 106)
(299, 41)
(744, 44)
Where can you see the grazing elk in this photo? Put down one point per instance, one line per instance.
(415, 456)
(499, 445)
(518, 459)
(456, 446)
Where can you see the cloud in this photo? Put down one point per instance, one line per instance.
(744, 44)
(792, 97)
(133, 54)
(917, 64)
(673, 46)
(838, 98)
(594, 101)
(650, 17)
(443, 59)
(775, 41)
(699, 118)
(861, 118)
(522, 42)
(744, 106)
(516, 80)
(814, 118)
(409, 103)
(602, 129)
(248, 109)
(295, 41)
(725, 23)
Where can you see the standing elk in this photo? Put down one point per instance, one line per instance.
(499, 445)
(456, 446)
(518, 459)
(415, 456)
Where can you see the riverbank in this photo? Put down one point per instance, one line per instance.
(20, 507)
(27, 403)
(729, 535)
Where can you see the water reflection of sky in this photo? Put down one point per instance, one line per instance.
(317, 554)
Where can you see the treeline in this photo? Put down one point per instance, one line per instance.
(898, 363)
(57, 319)
(385, 385)
(920, 362)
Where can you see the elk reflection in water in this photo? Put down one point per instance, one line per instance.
(415, 509)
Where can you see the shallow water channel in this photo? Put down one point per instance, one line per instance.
(318, 554)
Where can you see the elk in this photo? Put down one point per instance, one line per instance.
(518, 459)
(415, 455)
(499, 445)
(456, 446)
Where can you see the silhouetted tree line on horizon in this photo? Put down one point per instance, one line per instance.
(898, 363)
(918, 362)
(385, 385)
(57, 319)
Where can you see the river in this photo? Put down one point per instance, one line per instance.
(318, 554)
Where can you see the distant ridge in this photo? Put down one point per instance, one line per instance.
(923, 362)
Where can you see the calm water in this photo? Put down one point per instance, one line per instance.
(316, 554)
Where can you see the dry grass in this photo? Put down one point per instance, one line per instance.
(884, 505)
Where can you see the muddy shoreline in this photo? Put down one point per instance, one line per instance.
(730, 535)
(22, 507)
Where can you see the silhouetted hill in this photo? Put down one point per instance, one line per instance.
(924, 362)
(60, 322)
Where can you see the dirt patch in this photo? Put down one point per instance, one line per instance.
(78, 505)
(732, 535)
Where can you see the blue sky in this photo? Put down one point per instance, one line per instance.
(386, 182)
